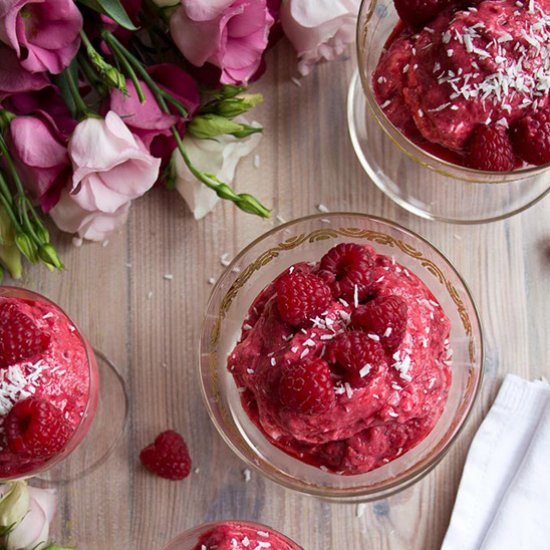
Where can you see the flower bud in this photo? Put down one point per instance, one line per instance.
(42, 233)
(247, 131)
(230, 90)
(27, 247)
(232, 107)
(209, 126)
(111, 75)
(165, 3)
(5, 118)
(11, 258)
(48, 254)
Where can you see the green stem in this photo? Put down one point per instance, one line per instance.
(27, 222)
(81, 106)
(5, 190)
(13, 171)
(24, 204)
(244, 201)
(8, 207)
(130, 72)
(177, 104)
(86, 41)
(89, 73)
(127, 57)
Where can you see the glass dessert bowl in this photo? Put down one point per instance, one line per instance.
(262, 439)
(49, 384)
(220, 535)
(50, 403)
(430, 186)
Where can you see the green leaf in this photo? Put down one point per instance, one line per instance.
(112, 8)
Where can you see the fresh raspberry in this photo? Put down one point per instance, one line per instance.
(385, 316)
(168, 456)
(36, 429)
(490, 148)
(20, 338)
(531, 137)
(307, 388)
(301, 296)
(418, 13)
(357, 355)
(347, 268)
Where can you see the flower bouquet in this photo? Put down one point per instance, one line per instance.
(103, 100)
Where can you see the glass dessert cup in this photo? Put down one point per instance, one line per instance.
(190, 538)
(415, 179)
(103, 419)
(307, 239)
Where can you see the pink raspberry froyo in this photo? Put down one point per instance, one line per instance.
(359, 380)
(486, 64)
(45, 384)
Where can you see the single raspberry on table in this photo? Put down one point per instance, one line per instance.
(35, 428)
(531, 137)
(418, 13)
(20, 338)
(357, 355)
(490, 148)
(307, 387)
(385, 316)
(347, 268)
(301, 296)
(168, 456)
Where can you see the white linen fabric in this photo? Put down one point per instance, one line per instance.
(503, 499)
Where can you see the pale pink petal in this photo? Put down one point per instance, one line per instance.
(205, 10)
(197, 41)
(95, 226)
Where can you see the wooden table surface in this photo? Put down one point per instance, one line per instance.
(306, 159)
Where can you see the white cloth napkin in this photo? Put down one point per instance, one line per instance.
(503, 500)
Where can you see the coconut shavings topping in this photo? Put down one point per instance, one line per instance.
(19, 382)
(516, 69)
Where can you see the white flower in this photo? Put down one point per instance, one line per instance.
(218, 156)
(319, 29)
(31, 510)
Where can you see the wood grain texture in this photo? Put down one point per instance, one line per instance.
(306, 159)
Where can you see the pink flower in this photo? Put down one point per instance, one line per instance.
(43, 33)
(319, 29)
(230, 34)
(14, 78)
(111, 167)
(47, 100)
(147, 120)
(94, 226)
(41, 157)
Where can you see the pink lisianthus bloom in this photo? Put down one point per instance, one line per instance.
(146, 120)
(40, 154)
(230, 34)
(14, 78)
(43, 33)
(111, 167)
(319, 29)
